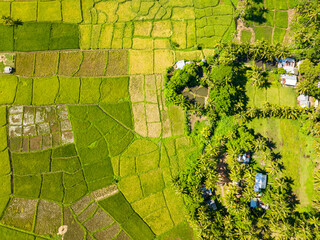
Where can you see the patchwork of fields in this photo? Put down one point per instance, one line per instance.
(86, 139)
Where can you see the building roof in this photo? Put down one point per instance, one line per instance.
(288, 64)
(254, 202)
(180, 64)
(289, 80)
(303, 100)
(8, 70)
(245, 158)
(212, 204)
(260, 182)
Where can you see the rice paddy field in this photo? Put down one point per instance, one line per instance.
(88, 146)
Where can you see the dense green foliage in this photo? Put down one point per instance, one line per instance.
(306, 26)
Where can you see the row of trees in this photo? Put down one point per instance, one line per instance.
(273, 110)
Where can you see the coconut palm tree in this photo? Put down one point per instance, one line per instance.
(255, 76)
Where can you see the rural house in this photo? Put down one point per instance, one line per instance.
(207, 195)
(260, 182)
(245, 158)
(287, 64)
(289, 80)
(256, 202)
(303, 100)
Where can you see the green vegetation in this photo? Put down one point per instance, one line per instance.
(98, 132)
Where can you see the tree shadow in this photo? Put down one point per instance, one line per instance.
(255, 13)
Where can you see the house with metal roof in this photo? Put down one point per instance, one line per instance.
(245, 158)
(207, 195)
(260, 182)
(256, 202)
(180, 64)
(288, 80)
(303, 100)
(287, 64)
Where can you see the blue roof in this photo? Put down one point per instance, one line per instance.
(260, 182)
(283, 60)
(254, 203)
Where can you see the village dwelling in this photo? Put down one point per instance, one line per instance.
(303, 100)
(181, 63)
(8, 70)
(245, 158)
(256, 202)
(289, 80)
(207, 195)
(287, 64)
(260, 182)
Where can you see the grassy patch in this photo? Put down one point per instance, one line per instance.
(31, 163)
(288, 96)
(90, 90)
(24, 11)
(106, 36)
(69, 63)
(6, 36)
(163, 59)
(152, 182)
(246, 36)
(117, 63)
(85, 36)
(121, 112)
(278, 35)
(149, 204)
(69, 90)
(49, 11)
(71, 11)
(160, 221)
(142, 29)
(263, 33)
(32, 36)
(64, 36)
(141, 62)
(177, 118)
(181, 231)
(8, 87)
(8, 234)
(24, 92)
(281, 19)
(5, 167)
(93, 63)
(183, 13)
(27, 186)
(281, 4)
(147, 162)
(131, 188)
(161, 29)
(24, 64)
(52, 188)
(46, 64)
(45, 90)
(114, 90)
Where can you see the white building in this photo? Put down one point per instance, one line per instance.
(289, 80)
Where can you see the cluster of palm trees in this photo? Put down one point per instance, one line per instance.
(234, 219)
